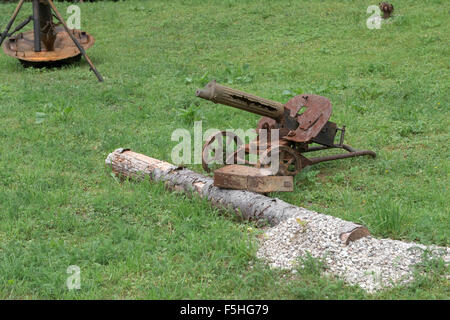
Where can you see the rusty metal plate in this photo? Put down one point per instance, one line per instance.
(327, 135)
(258, 180)
(312, 120)
(21, 46)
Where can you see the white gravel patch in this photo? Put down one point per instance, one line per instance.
(371, 263)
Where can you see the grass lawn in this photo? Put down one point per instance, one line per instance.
(59, 205)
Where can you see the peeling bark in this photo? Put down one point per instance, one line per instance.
(247, 205)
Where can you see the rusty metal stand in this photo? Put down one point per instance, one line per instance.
(45, 31)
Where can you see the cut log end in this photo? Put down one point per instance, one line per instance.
(353, 235)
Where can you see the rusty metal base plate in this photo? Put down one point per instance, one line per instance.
(252, 179)
(21, 46)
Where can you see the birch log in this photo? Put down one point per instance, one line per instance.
(248, 205)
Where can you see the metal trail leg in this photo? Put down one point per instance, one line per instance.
(351, 153)
(47, 28)
(79, 46)
(11, 21)
(37, 26)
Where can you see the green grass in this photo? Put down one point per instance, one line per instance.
(59, 205)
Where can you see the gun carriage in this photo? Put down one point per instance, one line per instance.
(301, 122)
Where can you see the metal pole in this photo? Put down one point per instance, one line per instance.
(47, 29)
(79, 46)
(10, 23)
(343, 156)
(37, 26)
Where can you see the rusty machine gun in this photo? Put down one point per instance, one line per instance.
(303, 124)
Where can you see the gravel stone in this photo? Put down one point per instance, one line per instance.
(369, 262)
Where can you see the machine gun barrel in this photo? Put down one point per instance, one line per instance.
(241, 100)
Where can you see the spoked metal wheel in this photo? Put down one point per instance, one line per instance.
(289, 162)
(221, 148)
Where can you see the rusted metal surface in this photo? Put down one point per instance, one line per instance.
(47, 43)
(21, 46)
(312, 120)
(302, 121)
(44, 27)
(259, 180)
